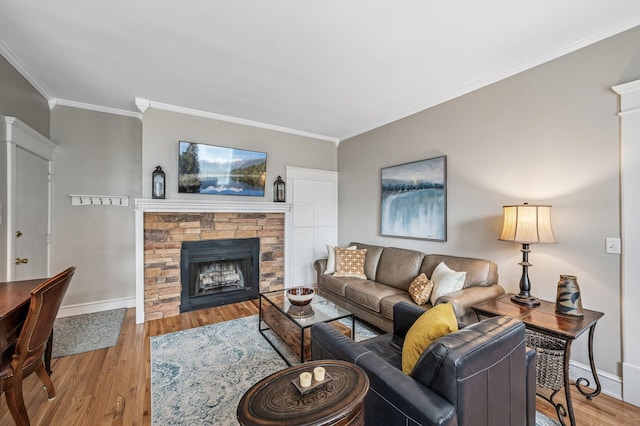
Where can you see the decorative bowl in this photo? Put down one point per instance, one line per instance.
(300, 296)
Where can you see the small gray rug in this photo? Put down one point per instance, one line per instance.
(86, 332)
(199, 375)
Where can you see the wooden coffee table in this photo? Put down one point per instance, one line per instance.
(276, 401)
(292, 324)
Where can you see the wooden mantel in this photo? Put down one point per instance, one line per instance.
(143, 206)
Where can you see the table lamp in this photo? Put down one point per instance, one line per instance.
(526, 224)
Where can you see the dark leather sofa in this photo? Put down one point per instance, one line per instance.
(481, 375)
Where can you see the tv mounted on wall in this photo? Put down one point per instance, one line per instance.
(209, 169)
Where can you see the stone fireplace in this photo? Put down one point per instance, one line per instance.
(163, 226)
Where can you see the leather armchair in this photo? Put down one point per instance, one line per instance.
(481, 375)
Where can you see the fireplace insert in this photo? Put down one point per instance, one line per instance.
(219, 272)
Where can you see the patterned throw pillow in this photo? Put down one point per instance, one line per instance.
(350, 263)
(420, 289)
(331, 258)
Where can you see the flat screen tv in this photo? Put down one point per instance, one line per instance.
(209, 169)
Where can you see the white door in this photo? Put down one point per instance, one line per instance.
(32, 215)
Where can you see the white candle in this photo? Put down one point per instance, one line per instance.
(305, 380)
(318, 374)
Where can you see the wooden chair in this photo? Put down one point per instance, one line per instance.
(31, 344)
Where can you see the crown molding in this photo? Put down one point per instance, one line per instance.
(73, 104)
(554, 54)
(15, 62)
(144, 104)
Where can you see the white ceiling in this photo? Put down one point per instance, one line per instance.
(330, 68)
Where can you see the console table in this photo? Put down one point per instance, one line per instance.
(558, 328)
(275, 400)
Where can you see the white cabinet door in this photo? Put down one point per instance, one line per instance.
(314, 200)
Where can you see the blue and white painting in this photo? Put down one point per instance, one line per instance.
(414, 200)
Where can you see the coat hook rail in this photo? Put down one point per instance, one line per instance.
(100, 200)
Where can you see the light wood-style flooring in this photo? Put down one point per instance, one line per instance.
(112, 386)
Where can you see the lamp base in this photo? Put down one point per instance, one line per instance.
(524, 299)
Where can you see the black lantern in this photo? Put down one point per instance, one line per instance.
(279, 191)
(157, 183)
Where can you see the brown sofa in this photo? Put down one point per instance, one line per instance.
(389, 272)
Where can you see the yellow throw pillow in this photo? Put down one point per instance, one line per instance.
(420, 289)
(350, 263)
(433, 324)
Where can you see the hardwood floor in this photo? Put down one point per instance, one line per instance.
(112, 386)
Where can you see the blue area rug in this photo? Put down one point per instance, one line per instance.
(199, 375)
(86, 332)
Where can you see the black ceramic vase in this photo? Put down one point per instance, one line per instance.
(568, 301)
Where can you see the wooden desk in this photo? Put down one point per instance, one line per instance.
(544, 320)
(15, 297)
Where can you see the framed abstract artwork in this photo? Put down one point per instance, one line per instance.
(414, 200)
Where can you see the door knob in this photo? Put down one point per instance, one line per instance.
(19, 261)
(19, 234)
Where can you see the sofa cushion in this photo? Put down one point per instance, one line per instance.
(445, 281)
(371, 260)
(398, 267)
(369, 293)
(480, 273)
(386, 304)
(339, 284)
(350, 263)
(433, 324)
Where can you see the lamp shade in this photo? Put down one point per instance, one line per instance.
(527, 224)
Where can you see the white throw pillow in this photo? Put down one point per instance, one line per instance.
(445, 281)
(331, 258)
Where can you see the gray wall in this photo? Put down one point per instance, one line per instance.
(17, 99)
(96, 154)
(163, 129)
(548, 136)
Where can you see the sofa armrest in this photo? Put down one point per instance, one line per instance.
(320, 265)
(404, 315)
(463, 300)
(531, 387)
(393, 397)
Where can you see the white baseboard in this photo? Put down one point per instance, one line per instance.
(90, 307)
(611, 384)
(631, 391)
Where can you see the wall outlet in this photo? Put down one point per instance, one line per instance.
(612, 245)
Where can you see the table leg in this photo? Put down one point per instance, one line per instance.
(584, 381)
(353, 327)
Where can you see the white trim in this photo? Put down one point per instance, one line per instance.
(625, 88)
(143, 205)
(591, 39)
(611, 384)
(91, 307)
(19, 134)
(73, 104)
(145, 103)
(15, 62)
(311, 174)
(629, 112)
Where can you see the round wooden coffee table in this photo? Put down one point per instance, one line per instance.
(275, 400)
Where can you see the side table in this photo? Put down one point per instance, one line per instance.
(543, 321)
(276, 401)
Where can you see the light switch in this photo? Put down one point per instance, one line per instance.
(613, 245)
